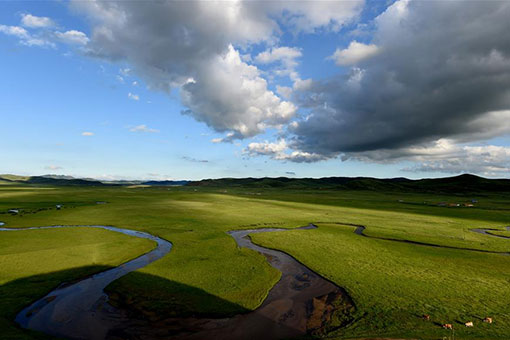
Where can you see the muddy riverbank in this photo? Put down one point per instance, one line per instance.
(302, 302)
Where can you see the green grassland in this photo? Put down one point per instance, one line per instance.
(392, 283)
(33, 262)
(505, 233)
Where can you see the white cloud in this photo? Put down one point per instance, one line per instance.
(231, 96)
(284, 91)
(444, 155)
(269, 149)
(354, 53)
(193, 39)
(133, 96)
(32, 21)
(302, 84)
(280, 151)
(285, 56)
(487, 160)
(72, 37)
(16, 31)
(135, 83)
(42, 36)
(278, 54)
(87, 133)
(310, 16)
(24, 37)
(143, 128)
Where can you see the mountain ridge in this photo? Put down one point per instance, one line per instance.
(456, 184)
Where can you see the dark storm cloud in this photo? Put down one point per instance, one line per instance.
(442, 69)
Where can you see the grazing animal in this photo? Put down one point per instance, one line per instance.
(469, 324)
(426, 317)
(448, 326)
(488, 320)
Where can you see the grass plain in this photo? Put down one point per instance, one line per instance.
(392, 283)
(33, 262)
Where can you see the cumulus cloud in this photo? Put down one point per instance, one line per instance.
(143, 128)
(354, 53)
(441, 72)
(32, 21)
(445, 155)
(284, 91)
(234, 98)
(16, 31)
(41, 35)
(87, 133)
(25, 38)
(72, 37)
(284, 56)
(278, 54)
(311, 16)
(280, 151)
(192, 49)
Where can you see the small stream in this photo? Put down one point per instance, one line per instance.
(487, 231)
(299, 303)
(80, 310)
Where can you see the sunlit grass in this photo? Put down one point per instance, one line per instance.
(391, 282)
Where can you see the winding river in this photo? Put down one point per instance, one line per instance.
(80, 310)
(301, 302)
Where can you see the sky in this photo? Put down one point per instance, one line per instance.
(208, 89)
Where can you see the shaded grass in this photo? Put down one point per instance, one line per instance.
(33, 262)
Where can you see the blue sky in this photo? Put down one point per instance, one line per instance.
(78, 101)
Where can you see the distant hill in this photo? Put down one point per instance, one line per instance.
(60, 180)
(458, 184)
(166, 183)
(451, 185)
(50, 180)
